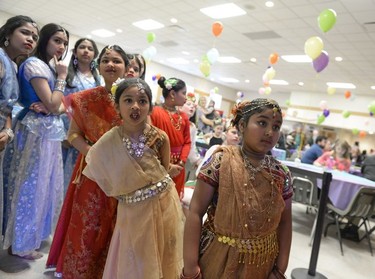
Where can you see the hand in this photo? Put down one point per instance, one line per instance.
(175, 170)
(61, 68)
(39, 107)
(3, 140)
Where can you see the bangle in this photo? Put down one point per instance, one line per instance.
(9, 133)
(60, 85)
(72, 137)
(181, 163)
(196, 276)
(279, 274)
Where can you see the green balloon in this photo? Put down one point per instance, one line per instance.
(327, 19)
(287, 102)
(321, 119)
(371, 107)
(151, 37)
(355, 131)
(346, 114)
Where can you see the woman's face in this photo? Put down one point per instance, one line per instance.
(262, 131)
(111, 66)
(23, 40)
(232, 137)
(85, 52)
(188, 108)
(202, 102)
(57, 45)
(133, 70)
(179, 96)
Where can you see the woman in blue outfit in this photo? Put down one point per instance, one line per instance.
(18, 36)
(82, 74)
(33, 173)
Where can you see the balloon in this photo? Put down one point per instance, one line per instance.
(346, 114)
(274, 57)
(313, 47)
(261, 90)
(212, 55)
(326, 112)
(371, 107)
(151, 37)
(321, 119)
(347, 94)
(287, 102)
(149, 53)
(205, 68)
(217, 28)
(355, 131)
(327, 19)
(153, 77)
(265, 78)
(323, 104)
(321, 62)
(158, 76)
(331, 90)
(238, 101)
(362, 134)
(270, 73)
(240, 94)
(267, 90)
(216, 89)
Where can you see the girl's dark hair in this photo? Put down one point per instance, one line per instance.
(12, 24)
(133, 82)
(72, 71)
(142, 64)
(135, 57)
(46, 33)
(244, 110)
(116, 48)
(177, 84)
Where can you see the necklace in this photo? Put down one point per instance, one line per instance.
(176, 124)
(254, 170)
(135, 148)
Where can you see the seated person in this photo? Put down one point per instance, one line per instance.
(338, 159)
(315, 151)
(368, 167)
(217, 136)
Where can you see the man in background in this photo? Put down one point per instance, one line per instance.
(315, 151)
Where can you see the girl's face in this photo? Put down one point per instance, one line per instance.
(179, 96)
(232, 137)
(134, 106)
(218, 130)
(202, 102)
(85, 52)
(134, 69)
(262, 131)
(57, 45)
(188, 108)
(111, 66)
(23, 40)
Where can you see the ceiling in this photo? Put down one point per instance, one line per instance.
(291, 21)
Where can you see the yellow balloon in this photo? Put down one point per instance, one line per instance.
(205, 68)
(314, 47)
(331, 90)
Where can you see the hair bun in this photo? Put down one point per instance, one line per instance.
(161, 81)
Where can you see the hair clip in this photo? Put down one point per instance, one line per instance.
(140, 86)
(170, 83)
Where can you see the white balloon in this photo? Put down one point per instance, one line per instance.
(270, 73)
(323, 105)
(212, 55)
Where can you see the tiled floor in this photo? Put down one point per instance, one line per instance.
(357, 262)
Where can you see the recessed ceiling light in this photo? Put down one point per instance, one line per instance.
(296, 58)
(174, 20)
(185, 52)
(230, 80)
(278, 82)
(103, 33)
(253, 59)
(148, 24)
(338, 59)
(341, 85)
(301, 83)
(223, 11)
(269, 4)
(228, 59)
(373, 87)
(247, 81)
(178, 60)
(118, 30)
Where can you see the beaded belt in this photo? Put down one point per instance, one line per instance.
(259, 249)
(146, 192)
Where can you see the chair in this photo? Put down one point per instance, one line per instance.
(305, 192)
(361, 208)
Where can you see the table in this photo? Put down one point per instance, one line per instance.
(343, 186)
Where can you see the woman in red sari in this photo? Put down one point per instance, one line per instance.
(177, 126)
(87, 219)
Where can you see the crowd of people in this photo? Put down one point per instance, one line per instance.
(91, 161)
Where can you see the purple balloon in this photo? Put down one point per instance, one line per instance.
(321, 62)
(326, 112)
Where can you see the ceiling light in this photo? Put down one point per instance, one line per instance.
(230, 80)
(173, 20)
(296, 58)
(301, 83)
(247, 81)
(373, 87)
(103, 33)
(223, 11)
(338, 59)
(269, 4)
(178, 60)
(278, 82)
(118, 30)
(148, 24)
(185, 52)
(341, 85)
(228, 59)
(253, 59)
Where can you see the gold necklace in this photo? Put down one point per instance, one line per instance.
(254, 170)
(175, 124)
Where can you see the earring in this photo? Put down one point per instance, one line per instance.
(75, 62)
(172, 99)
(92, 65)
(6, 43)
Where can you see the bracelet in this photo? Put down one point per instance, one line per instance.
(181, 163)
(279, 274)
(196, 276)
(72, 137)
(60, 85)
(9, 133)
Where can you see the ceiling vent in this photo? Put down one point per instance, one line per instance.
(263, 35)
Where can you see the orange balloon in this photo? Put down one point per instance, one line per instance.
(274, 57)
(158, 76)
(348, 94)
(217, 28)
(362, 134)
(266, 84)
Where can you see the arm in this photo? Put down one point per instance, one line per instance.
(6, 135)
(165, 153)
(202, 197)
(76, 138)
